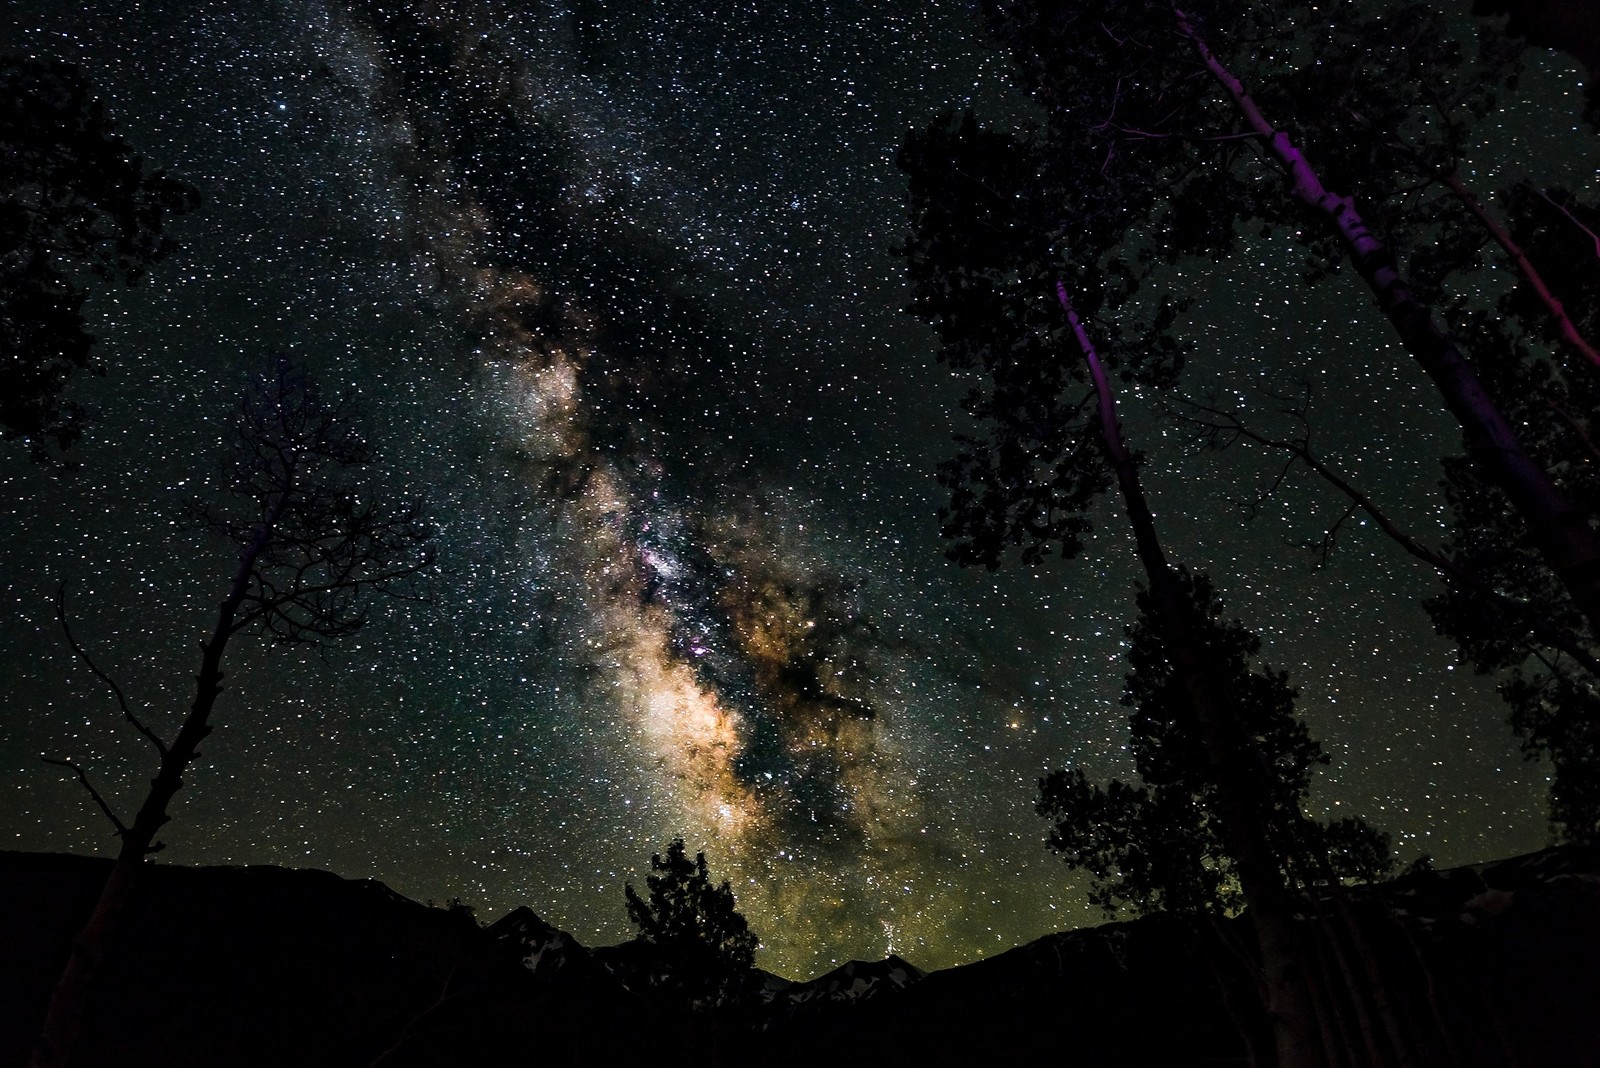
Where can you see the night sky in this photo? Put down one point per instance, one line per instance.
(613, 283)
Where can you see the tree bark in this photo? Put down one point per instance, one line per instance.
(1559, 529)
(1236, 766)
(1338, 1039)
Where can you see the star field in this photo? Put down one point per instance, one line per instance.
(613, 284)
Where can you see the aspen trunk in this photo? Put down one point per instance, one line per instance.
(1234, 763)
(1560, 530)
(1338, 1037)
(1530, 273)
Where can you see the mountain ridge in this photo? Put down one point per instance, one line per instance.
(270, 966)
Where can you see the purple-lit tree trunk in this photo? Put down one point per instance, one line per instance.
(1235, 763)
(1568, 544)
(1530, 273)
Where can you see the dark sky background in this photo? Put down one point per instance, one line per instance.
(613, 283)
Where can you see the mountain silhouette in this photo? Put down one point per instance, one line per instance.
(1489, 964)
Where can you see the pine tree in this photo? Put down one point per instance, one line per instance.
(695, 924)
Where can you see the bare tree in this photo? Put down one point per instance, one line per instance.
(312, 548)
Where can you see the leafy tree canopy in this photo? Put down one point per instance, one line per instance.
(74, 197)
(1140, 157)
(1158, 846)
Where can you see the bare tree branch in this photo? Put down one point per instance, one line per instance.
(122, 700)
(1575, 425)
(307, 549)
(1325, 545)
(1149, 135)
(1299, 449)
(122, 828)
(1573, 219)
(1216, 420)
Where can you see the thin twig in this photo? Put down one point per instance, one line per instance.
(1150, 135)
(1449, 569)
(1574, 425)
(122, 828)
(1562, 208)
(61, 615)
(1330, 537)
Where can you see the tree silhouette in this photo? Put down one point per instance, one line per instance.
(1169, 131)
(1226, 766)
(695, 924)
(313, 548)
(1567, 25)
(1158, 846)
(74, 197)
(1510, 615)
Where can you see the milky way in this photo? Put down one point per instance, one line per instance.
(614, 285)
(729, 659)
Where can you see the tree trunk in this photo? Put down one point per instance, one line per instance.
(1254, 1049)
(1357, 992)
(1570, 547)
(1338, 1040)
(1234, 762)
(1374, 979)
(64, 1020)
(1530, 273)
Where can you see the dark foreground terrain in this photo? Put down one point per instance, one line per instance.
(1497, 964)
